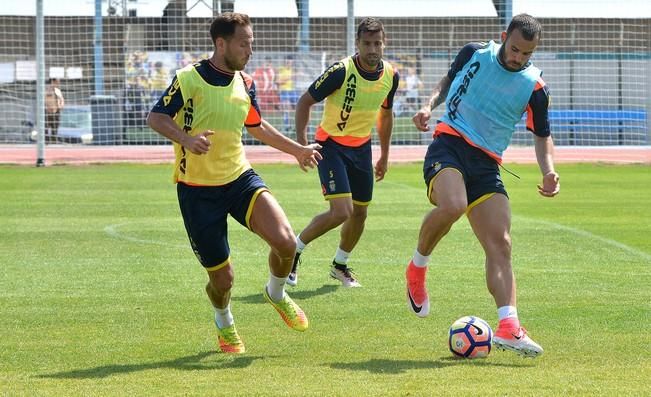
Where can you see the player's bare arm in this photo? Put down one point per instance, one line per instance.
(384, 128)
(165, 126)
(545, 156)
(306, 155)
(421, 118)
(302, 117)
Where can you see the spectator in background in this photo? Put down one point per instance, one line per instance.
(136, 64)
(265, 84)
(186, 59)
(135, 98)
(158, 80)
(413, 85)
(288, 94)
(54, 103)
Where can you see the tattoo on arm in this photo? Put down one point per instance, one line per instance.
(440, 92)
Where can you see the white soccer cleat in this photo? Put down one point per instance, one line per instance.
(516, 340)
(345, 276)
(292, 278)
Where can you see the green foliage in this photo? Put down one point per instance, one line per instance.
(100, 293)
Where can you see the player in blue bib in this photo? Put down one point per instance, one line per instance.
(487, 90)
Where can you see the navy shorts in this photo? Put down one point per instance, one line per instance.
(205, 210)
(480, 172)
(346, 171)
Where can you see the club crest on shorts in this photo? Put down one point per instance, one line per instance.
(332, 185)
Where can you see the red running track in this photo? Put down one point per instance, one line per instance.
(78, 155)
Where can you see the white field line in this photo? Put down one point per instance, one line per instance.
(579, 232)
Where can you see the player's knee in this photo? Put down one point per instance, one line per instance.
(284, 246)
(287, 249)
(499, 248)
(453, 211)
(339, 218)
(221, 284)
(358, 217)
(504, 246)
(341, 214)
(359, 214)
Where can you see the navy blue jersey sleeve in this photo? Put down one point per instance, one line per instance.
(388, 103)
(463, 57)
(254, 117)
(171, 101)
(330, 81)
(538, 111)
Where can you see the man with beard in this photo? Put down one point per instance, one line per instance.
(203, 112)
(359, 93)
(487, 89)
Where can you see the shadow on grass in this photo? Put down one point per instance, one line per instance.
(385, 366)
(258, 298)
(187, 363)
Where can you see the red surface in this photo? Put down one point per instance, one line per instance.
(64, 154)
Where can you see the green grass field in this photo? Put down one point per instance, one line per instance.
(101, 295)
(403, 132)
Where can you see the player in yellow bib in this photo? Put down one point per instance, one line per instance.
(359, 91)
(203, 113)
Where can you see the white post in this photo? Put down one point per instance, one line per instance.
(350, 28)
(40, 85)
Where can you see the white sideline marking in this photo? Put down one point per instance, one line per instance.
(580, 232)
(592, 236)
(112, 230)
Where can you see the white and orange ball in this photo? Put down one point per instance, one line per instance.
(470, 337)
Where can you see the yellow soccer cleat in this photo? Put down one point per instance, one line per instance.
(229, 340)
(293, 315)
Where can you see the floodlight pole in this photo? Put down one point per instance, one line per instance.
(99, 50)
(40, 85)
(350, 28)
(304, 30)
(508, 13)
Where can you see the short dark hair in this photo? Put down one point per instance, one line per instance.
(371, 25)
(224, 25)
(527, 25)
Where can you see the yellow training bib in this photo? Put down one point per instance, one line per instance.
(352, 109)
(222, 110)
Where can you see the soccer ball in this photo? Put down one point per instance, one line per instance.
(470, 337)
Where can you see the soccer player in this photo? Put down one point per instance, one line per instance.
(487, 89)
(359, 91)
(203, 112)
